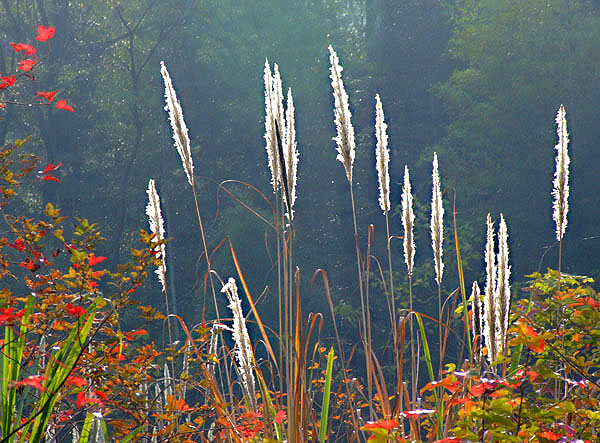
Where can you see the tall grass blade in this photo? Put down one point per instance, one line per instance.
(326, 395)
(429, 363)
(461, 280)
(59, 369)
(12, 357)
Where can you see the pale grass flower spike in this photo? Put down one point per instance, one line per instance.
(408, 221)
(437, 216)
(270, 137)
(156, 223)
(561, 175)
(278, 111)
(180, 131)
(291, 152)
(502, 291)
(345, 131)
(382, 155)
(243, 347)
(489, 296)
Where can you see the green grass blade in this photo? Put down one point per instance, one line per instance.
(271, 408)
(132, 434)
(461, 279)
(326, 396)
(11, 366)
(60, 368)
(87, 427)
(427, 354)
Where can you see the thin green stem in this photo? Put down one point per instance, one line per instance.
(212, 285)
(362, 304)
(393, 316)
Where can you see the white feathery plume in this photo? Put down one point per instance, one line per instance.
(157, 227)
(382, 155)
(291, 152)
(408, 220)
(180, 131)
(561, 175)
(477, 314)
(437, 216)
(345, 132)
(243, 348)
(278, 112)
(489, 296)
(502, 291)
(270, 137)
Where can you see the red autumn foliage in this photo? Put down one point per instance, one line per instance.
(26, 64)
(7, 81)
(45, 33)
(33, 381)
(62, 104)
(93, 260)
(48, 96)
(18, 47)
(76, 311)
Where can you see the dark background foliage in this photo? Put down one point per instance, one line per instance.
(478, 81)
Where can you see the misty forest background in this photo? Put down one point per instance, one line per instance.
(478, 81)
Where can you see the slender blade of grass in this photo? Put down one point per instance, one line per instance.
(429, 363)
(326, 396)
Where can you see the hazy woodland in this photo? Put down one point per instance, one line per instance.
(478, 82)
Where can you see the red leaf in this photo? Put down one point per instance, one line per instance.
(93, 260)
(8, 315)
(34, 382)
(550, 435)
(388, 425)
(29, 264)
(76, 311)
(417, 412)
(7, 81)
(83, 400)
(49, 177)
(18, 47)
(132, 334)
(48, 96)
(482, 388)
(19, 245)
(280, 417)
(62, 104)
(537, 345)
(51, 167)
(77, 381)
(27, 64)
(45, 33)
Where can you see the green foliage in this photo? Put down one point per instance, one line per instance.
(550, 395)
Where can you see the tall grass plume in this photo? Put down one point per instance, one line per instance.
(180, 131)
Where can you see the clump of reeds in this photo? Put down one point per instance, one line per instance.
(497, 296)
(489, 297)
